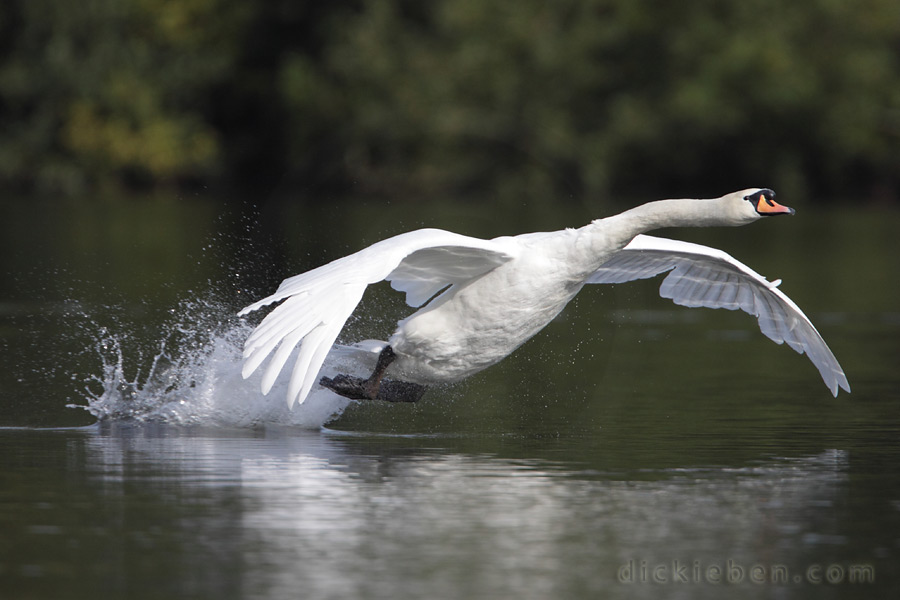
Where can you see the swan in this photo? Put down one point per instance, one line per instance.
(479, 300)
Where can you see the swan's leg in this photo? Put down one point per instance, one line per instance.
(373, 383)
(375, 387)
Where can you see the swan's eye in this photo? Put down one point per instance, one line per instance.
(759, 196)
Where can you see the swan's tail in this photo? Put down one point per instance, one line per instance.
(361, 354)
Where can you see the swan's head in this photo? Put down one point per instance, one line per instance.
(754, 203)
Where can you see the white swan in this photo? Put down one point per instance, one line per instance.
(498, 293)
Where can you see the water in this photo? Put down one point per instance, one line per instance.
(632, 449)
(152, 512)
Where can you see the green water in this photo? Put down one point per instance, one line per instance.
(632, 449)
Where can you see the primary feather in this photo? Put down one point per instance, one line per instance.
(703, 276)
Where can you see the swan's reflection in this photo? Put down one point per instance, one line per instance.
(348, 516)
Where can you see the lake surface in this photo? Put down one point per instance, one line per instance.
(632, 449)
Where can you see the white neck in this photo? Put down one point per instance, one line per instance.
(620, 229)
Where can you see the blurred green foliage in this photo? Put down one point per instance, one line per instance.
(112, 91)
(528, 99)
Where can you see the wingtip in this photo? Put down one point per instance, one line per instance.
(248, 368)
(839, 384)
(266, 386)
(257, 305)
(295, 399)
(249, 309)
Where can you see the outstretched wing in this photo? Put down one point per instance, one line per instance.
(703, 276)
(318, 303)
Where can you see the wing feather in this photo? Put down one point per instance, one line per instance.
(425, 272)
(316, 304)
(703, 276)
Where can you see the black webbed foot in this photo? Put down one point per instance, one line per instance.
(357, 388)
(400, 391)
(349, 387)
(375, 387)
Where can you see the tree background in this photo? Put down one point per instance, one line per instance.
(465, 99)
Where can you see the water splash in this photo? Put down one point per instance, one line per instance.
(194, 377)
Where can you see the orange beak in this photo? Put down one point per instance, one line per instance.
(768, 207)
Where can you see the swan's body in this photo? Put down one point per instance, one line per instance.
(499, 293)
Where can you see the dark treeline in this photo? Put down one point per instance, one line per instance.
(553, 100)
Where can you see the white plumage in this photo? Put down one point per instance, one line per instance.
(493, 295)
(703, 276)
